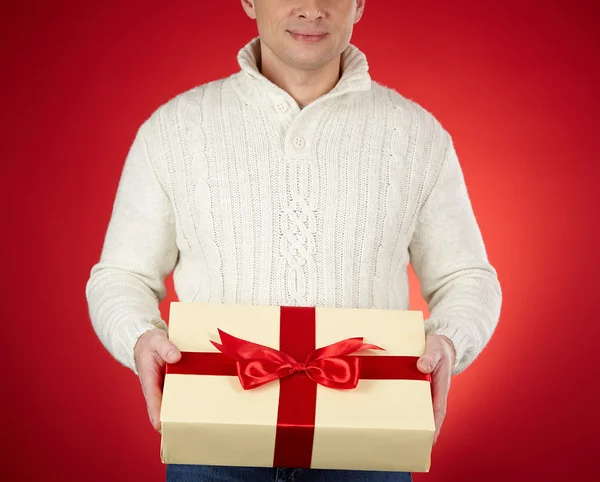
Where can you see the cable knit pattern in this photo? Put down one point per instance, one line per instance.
(397, 195)
(298, 225)
(247, 198)
(196, 185)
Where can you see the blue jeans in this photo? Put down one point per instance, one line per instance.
(210, 473)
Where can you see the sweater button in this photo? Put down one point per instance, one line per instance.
(281, 107)
(298, 142)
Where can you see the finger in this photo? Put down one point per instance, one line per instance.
(151, 379)
(440, 387)
(431, 357)
(167, 350)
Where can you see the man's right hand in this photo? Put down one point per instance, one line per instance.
(152, 350)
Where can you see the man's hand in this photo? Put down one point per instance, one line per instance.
(438, 360)
(152, 350)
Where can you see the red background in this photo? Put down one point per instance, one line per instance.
(515, 82)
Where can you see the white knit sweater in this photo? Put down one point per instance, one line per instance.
(252, 200)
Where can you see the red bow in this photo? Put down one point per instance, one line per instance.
(329, 366)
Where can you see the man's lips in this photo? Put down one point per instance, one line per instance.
(308, 36)
(307, 32)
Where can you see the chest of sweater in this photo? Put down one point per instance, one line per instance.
(275, 205)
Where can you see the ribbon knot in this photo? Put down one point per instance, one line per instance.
(299, 367)
(330, 365)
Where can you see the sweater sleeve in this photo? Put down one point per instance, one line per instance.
(128, 282)
(448, 256)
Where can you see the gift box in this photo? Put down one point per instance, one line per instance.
(298, 387)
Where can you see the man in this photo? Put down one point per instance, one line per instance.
(296, 181)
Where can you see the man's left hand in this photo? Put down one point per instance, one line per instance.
(438, 360)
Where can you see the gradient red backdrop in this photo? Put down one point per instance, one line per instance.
(515, 82)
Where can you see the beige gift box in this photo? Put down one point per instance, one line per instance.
(379, 425)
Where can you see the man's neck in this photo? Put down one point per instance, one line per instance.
(303, 86)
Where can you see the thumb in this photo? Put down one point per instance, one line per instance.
(429, 360)
(168, 351)
(425, 364)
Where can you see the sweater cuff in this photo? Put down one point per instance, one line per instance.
(126, 336)
(464, 339)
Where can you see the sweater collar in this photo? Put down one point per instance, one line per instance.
(254, 86)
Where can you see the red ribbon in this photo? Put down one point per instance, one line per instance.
(330, 366)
